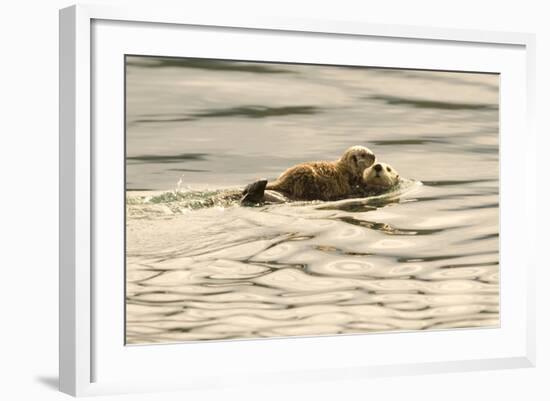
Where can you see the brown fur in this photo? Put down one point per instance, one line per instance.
(324, 180)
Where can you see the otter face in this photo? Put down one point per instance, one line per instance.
(380, 176)
(358, 158)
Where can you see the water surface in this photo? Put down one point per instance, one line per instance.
(423, 257)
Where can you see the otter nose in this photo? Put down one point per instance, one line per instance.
(378, 167)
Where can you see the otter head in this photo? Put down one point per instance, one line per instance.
(357, 158)
(380, 176)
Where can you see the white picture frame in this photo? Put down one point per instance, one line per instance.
(93, 359)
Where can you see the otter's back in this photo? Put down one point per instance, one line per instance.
(311, 181)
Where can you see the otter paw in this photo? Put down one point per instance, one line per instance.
(254, 193)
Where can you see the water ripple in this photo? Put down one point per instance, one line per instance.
(200, 267)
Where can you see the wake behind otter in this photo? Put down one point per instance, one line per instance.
(185, 201)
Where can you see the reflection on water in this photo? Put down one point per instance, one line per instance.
(243, 111)
(422, 257)
(433, 104)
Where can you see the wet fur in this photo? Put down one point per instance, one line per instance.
(315, 180)
(385, 178)
(324, 180)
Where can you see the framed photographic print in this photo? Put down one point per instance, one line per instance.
(281, 200)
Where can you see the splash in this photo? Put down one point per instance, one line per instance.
(184, 199)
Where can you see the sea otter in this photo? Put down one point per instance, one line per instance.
(319, 180)
(375, 179)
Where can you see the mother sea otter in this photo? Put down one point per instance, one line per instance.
(319, 180)
(376, 179)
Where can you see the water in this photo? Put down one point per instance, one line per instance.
(422, 257)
